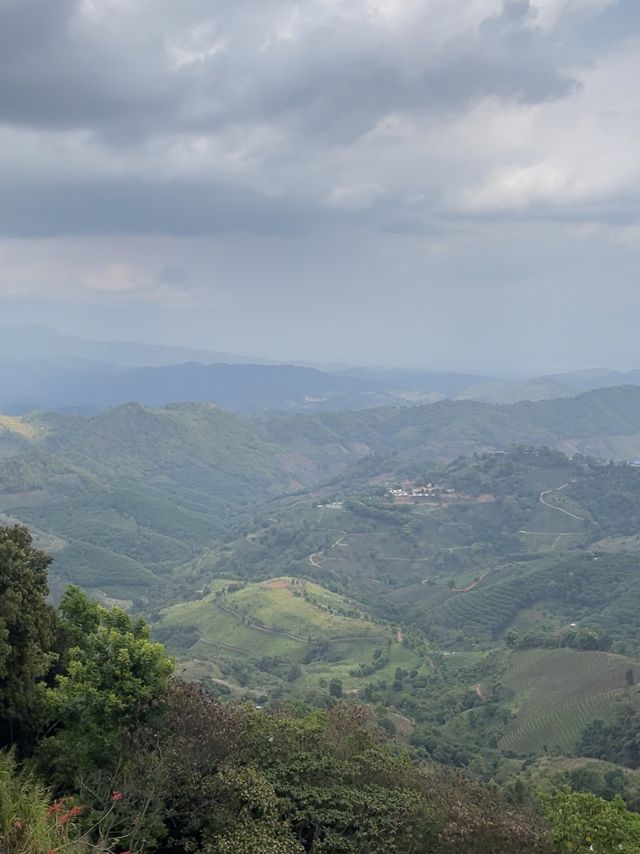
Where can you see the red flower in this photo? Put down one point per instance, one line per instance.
(54, 808)
(64, 818)
(116, 796)
(75, 811)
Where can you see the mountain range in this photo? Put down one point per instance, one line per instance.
(43, 370)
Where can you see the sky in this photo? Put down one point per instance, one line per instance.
(429, 183)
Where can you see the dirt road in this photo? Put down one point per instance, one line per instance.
(554, 506)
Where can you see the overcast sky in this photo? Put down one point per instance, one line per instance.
(419, 182)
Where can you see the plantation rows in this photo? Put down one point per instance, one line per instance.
(487, 611)
(543, 728)
(606, 586)
(554, 665)
(562, 692)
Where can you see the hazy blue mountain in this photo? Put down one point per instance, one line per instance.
(588, 380)
(43, 343)
(43, 370)
(445, 383)
(248, 388)
(513, 391)
(86, 387)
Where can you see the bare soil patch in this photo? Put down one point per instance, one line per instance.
(276, 583)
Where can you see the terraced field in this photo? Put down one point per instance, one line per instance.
(492, 605)
(557, 693)
(279, 617)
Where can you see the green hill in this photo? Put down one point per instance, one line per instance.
(159, 487)
(134, 492)
(589, 423)
(280, 629)
(302, 571)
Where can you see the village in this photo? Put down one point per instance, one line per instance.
(408, 490)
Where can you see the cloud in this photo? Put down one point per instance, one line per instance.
(355, 197)
(408, 161)
(134, 206)
(174, 274)
(551, 12)
(201, 117)
(573, 155)
(119, 279)
(127, 71)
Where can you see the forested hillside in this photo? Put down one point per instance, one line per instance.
(125, 498)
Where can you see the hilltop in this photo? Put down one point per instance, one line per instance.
(280, 631)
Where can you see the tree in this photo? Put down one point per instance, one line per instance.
(114, 680)
(581, 821)
(27, 631)
(252, 821)
(335, 688)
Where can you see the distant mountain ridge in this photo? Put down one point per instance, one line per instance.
(87, 388)
(41, 370)
(42, 343)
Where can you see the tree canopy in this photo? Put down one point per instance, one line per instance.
(27, 630)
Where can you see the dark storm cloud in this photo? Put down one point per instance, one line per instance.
(121, 90)
(130, 70)
(59, 71)
(209, 116)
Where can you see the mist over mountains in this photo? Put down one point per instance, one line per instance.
(33, 343)
(43, 370)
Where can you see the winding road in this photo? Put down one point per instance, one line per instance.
(555, 506)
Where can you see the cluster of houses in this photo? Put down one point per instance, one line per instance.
(408, 490)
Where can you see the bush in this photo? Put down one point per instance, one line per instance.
(29, 822)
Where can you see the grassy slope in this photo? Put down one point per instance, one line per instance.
(272, 619)
(265, 617)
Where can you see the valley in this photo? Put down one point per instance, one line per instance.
(474, 592)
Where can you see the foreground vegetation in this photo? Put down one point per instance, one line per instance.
(103, 748)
